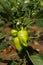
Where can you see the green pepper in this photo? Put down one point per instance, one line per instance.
(17, 44)
(41, 2)
(23, 36)
(14, 32)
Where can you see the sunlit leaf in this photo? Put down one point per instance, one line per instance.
(37, 59)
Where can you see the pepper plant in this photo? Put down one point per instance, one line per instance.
(20, 15)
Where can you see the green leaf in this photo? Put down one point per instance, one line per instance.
(39, 22)
(12, 63)
(3, 46)
(27, 21)
(2, 36)
(37, 59)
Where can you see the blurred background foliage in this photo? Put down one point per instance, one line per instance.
(13, 11)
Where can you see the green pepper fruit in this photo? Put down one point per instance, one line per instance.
(14, 32)
(23, 36)
(17, 44)
(41, 2)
